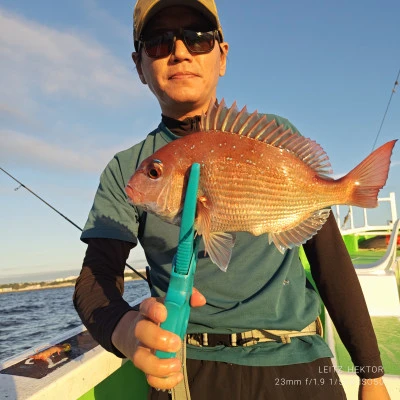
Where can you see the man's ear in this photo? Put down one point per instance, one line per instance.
(224, 48)
(136, 60)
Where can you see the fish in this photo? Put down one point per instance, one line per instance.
(255, 176)
(45, 354)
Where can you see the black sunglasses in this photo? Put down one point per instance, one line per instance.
(161, 46)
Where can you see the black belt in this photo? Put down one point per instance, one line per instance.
(217, 339)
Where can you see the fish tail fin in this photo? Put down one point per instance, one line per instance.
(368, 177)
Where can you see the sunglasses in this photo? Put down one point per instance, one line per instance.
(161, 46)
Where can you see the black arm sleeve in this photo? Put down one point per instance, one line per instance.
(340, 290)
(99, 288)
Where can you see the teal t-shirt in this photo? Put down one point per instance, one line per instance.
(262, 288)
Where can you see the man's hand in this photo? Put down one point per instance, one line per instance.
(138, 335)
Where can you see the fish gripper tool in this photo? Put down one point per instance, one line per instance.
(177, 300)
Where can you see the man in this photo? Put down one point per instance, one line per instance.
(181, 54)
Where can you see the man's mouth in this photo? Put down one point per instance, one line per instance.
(183, 75)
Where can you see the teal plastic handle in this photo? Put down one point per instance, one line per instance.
(177, 300)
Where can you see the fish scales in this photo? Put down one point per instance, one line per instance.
(256, 176)
(252, 190)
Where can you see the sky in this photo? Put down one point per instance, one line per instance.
(70, 98)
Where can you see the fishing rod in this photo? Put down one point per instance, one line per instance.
(396, 82)
(59, 213)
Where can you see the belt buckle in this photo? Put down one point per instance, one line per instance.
(195, 339)
(204, 339)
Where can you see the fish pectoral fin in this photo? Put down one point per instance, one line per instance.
(218, 245)
(203, 216)
(300, 233)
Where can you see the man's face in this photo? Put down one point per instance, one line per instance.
(184, 83)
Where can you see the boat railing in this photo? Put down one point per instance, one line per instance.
(347, 225)
(386, 264)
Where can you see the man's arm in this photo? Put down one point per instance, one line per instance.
(340, 290)
(99, 288)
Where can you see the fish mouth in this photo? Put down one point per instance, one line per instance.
(133, 194)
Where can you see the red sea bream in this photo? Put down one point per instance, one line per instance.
(256, 176)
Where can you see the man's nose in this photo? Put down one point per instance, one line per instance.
(180, 51)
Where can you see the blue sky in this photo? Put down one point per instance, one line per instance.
(70, 98)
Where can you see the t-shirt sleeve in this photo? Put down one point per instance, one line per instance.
(111, 215)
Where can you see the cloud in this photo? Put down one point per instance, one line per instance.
(20, 148)
(105, 19)
(12, 115)
(36, 58)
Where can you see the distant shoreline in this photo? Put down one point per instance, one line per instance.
(29, 288)
(56, 284)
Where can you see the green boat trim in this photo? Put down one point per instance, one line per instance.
(387, 330)
(127, 382)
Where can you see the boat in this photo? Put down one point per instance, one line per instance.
(378, 271)
(87, 371)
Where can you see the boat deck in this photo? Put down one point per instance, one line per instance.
(367, 256)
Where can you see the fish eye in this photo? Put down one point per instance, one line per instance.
(153, 173)
(154, 170)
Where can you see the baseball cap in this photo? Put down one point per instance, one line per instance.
(145, 9)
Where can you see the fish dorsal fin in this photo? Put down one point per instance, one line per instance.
(300, 233)
(258, 127)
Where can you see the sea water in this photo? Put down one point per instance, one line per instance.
(30, 318)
